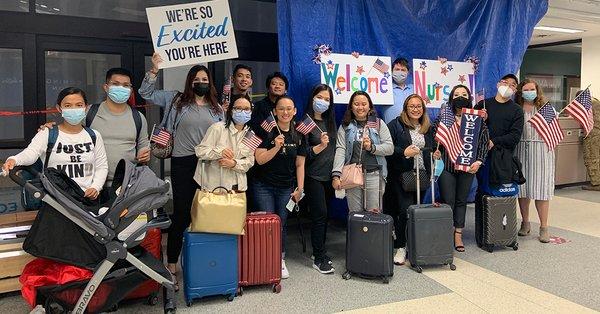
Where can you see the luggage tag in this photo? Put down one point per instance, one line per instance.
(291, 205)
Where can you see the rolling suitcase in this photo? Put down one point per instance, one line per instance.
(429, 229)
(260, 252)
(496, 222)
(370, 243)
(210, 265)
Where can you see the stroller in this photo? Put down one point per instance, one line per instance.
(101, 236)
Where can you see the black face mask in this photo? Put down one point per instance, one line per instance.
(460, 102)
(200, 89)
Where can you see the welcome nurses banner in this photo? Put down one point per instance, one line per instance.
(346, 74)
(470, 126)
(434, 79)
(192, 33)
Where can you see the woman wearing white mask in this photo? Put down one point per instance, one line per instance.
(537, 162)
(319, 162)
(78, 150)
(228, 158)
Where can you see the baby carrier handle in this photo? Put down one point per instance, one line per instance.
(37, 193)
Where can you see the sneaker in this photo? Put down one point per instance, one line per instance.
(325, 258)
(323, 267)
(400, 256)
(285, 274)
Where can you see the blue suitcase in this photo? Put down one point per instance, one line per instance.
(210, 265)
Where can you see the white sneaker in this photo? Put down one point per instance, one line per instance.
(400, 256)
(284, 271)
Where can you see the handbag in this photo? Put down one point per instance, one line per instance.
(409, 180)
(165, 151)
(352, 174)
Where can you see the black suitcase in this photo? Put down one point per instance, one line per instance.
(429, 232)
(370, 244)
(496, 222)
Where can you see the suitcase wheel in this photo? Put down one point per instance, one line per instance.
(452, 266)
(188, 303)
(152, 299)
(418, 269)
(385, 279)
(347, 275)
(276, 288)
(515, 246)
(489, 248)
(240, 291)
(172, 311)
(231, 297)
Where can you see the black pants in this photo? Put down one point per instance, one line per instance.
(318, 195)
(454, 189)
(184, 188)
(395, 203)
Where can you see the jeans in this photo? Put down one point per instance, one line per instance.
(318, 195)
(395, 203)
(374, 185)
(273, 199)
(454, 189)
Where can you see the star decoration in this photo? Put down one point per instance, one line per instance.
(338, 92)
(450, 67)
(355, 54)
(436, 84)
(444, 71)
(423, 65)
(386, 74)
(329, 65)
(461, 79)
(442, 60)
(359, 70)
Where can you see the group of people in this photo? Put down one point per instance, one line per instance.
(208, 149)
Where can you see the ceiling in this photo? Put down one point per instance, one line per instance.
(573, 14)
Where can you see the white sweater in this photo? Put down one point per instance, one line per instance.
(75, 154)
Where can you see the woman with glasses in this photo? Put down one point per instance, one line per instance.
(188, 115)
(411, 132)
(455, 185)
(228, 159)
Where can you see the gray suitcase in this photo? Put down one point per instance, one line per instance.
(496, 222)
(430, 229)
(370, 244)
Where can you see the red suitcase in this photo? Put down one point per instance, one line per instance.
(260, 252)
(149, 289)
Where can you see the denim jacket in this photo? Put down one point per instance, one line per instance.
(381, 139)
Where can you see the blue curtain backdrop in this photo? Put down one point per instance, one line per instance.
(497, 32)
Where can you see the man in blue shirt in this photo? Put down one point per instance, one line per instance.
(400, 71)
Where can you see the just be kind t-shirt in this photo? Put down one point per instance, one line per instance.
(75, 154)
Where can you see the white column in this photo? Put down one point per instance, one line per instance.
(590, 64)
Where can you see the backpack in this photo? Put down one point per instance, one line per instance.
(27, 200)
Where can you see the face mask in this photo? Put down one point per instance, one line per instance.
(505, 91)
(461, 102)
(399, 76)
(119, 94)
(439, 167)
(241, 117)
(320, 105)
(529, 95)
(73, 116)
(200, 89)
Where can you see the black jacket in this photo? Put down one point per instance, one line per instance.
(397, 163)
(505, 168)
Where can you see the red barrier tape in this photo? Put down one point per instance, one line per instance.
(47, 111)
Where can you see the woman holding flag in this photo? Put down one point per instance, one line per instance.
(319, 162)
(280, 166)
(456, 184)
(536, 156)
(362, 139)
(229, 149)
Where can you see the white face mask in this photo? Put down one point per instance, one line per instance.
(505, 91)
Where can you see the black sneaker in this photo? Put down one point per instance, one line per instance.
(323, 267)
(327, 259)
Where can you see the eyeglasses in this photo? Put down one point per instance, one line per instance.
(241, 110)
(414, 107)
(126, 85)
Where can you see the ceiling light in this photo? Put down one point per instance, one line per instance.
(558, 29)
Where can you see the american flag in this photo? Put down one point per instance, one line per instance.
(269, 123)
(581, 110)
(251, 140)
(226, 90)
(380, 66)
(479, 96)
(306, 126)
(448, 133)
(160, 136)
(373, 122)
(545, 122)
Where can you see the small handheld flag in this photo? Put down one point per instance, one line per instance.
(251, 140)
(373, 122)
(160, 136)
(581, 110)
(380, 66)
(448, 133)
(306, 126)
(269, 123)
(545, 122)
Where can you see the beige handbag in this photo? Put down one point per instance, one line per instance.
(352, 174)
(218, 211)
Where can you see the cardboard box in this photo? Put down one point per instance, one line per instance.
(12, 257)
(10, 200)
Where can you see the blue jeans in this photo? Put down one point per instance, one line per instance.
(273, 199)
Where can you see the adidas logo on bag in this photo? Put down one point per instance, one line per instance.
(508, 188)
